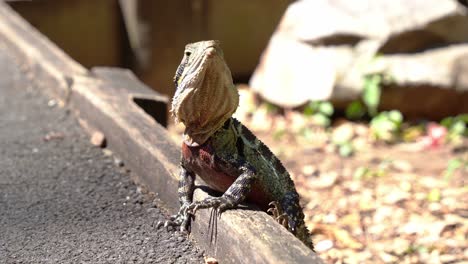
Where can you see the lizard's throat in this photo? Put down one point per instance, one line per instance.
(204, 108)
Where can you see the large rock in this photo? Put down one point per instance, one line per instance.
(441, 67)
(322, 49)
(296, 72)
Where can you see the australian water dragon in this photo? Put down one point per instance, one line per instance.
(222, 151)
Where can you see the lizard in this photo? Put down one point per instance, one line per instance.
(221, 150)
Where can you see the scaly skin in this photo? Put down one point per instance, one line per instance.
(223, 152)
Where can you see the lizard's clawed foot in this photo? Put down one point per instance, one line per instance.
(221, 204)
(181, 220)
(278, 214)
(186, 211)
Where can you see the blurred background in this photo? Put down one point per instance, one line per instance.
(364, 101)
(149, 36)
(420, 46)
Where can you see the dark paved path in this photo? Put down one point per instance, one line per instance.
(63, 200)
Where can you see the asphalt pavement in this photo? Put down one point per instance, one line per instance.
(63, 200)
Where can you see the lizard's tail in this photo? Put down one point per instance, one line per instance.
(304, 235)
(292, 208)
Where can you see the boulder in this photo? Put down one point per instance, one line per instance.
(322, 49)
(302, 73)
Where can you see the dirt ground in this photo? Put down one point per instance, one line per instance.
(398, 203)
(403, 211)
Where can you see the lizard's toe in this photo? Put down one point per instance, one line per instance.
(166, 224)
(283, 220)
(223, 207)
(181, 219)
(274, 204)
(219, 203)
(280, 216)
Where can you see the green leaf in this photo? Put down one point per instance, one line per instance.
(452, 166)
(458, 128)
(447, 122)
(360, 173)
(321, 120)
(463, 117)
(326, 108)
(355, 110)
(371, 93)
(383, 125)
(310, 109)
(456, 125)
(395, 116)
(346, 150)
(386, 125)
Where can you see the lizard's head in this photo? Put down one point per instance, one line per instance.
(205, 95)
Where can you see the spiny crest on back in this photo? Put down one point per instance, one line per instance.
(205, 94)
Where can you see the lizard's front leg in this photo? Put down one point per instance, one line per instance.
(235, 194)
(185, 192)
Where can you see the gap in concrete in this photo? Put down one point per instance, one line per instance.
(157, 110)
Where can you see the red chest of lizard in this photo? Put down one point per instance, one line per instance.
(202, 161)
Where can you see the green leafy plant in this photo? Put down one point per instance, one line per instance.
(355, 110)
(320, 112)
(456, 126)
(370, 98)
(386, 125)
(371, 92)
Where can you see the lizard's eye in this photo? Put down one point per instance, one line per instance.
(188, 53)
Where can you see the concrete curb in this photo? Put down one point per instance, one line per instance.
(115, 103)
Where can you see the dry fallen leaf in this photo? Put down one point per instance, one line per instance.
(309, 169)
(340, 235)
(323, 245)
(325, 180)
(346, 240)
